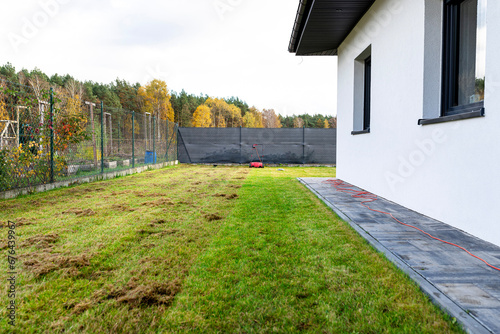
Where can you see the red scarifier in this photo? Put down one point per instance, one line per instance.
(257, 164)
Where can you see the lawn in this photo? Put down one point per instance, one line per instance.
(202, 249)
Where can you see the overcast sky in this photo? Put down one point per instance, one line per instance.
(217, 47)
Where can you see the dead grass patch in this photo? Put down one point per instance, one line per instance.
(198, 183)
(158, 222)
(45, 262)
(171, 231)
(157, 194)
(122, 208)
(19, 222)
(80, 212)
(189, 203)
(227, 196)
(9, 206)
(82, 307)
(145, 233)
(35, 203)
(116, 193)
(41, 241)
(213, 217)
(160, 202)
(82, 191)
(136, 296)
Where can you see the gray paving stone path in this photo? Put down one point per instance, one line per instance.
(461, 285)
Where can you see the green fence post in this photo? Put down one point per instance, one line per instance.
(154, 142)
(51, 135)
(133, 139)
(168, 143)
(102, 137)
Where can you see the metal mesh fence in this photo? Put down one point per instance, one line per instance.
(48, 136)
(278, 146)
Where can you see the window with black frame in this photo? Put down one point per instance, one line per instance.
(464, 56)
(367, 95)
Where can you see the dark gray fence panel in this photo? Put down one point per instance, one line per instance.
(234, 145)
(320, 143)
(278, 145)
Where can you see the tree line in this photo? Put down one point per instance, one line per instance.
(187, 110)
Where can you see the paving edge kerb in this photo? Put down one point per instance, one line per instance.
(468, 322)
(99, 177)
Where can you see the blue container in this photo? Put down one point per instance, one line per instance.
(150, 157)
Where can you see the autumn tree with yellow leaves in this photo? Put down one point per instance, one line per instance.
(270, 119)
(298, 122)
(156, 100)
(223, 114)
(4, 115)
(202, 117)
(253, 118)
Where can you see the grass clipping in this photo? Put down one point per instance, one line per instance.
(135, 295)
(43, 262)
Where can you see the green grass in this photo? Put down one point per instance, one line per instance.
(184, 249)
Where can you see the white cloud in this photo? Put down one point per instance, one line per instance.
(240, 50)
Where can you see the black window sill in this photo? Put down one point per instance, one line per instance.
(451, 118)
(355, 133)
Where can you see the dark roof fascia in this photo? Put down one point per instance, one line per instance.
(300, 22)
(302, 18)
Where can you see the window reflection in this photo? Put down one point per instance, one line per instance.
(471, 52)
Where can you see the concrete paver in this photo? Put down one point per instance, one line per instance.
(463, 286)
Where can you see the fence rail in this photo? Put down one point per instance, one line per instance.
(278, 146)
(48, 136)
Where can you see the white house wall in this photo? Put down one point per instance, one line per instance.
(448, 171)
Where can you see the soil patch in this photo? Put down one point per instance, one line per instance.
(213, 217)
(227, 196)
(159, 221)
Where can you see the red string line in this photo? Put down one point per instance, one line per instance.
(369, 198)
